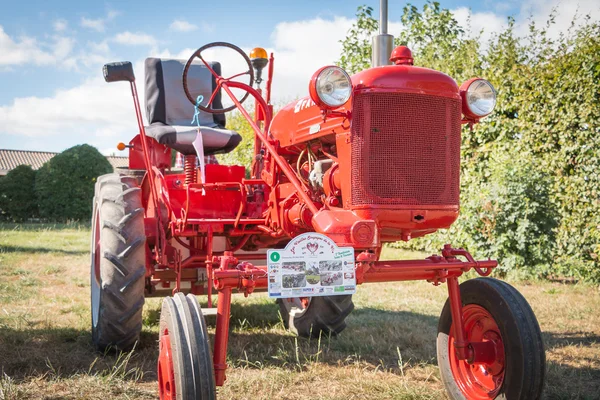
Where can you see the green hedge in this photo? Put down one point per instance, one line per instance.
(17, 196)
(530, 176)
(65, 185)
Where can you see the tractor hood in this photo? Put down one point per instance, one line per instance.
(406, 78)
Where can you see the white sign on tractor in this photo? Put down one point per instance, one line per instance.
(311, 265)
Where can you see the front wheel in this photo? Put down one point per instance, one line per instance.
(493, 311)
(185, 364)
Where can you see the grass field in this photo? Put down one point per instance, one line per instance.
(387, 351)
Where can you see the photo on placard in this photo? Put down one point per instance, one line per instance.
(330, 265)
(332, 279)
(313, 276)
(296, 266)
(313, 279)
(294, 281)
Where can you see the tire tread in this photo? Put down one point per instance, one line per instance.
(122, 262)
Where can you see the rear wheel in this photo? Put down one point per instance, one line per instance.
(316, 316)
(493, 311)
(185, 365)
(118, 263)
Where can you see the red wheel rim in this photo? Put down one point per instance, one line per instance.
(478, 380)
(166, 375)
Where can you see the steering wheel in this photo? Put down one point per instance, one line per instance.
(198, 53)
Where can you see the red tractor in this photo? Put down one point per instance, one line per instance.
(362, 161)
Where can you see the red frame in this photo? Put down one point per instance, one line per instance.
(282, 207)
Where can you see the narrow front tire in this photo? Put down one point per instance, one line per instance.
(493, 311)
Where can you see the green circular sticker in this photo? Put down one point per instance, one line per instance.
(275, 256)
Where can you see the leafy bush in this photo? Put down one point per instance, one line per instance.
(65, 184)
(507, 214)
(17, 195)
(530, 177)
(243, 153)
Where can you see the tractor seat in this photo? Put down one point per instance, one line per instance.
(170, 113)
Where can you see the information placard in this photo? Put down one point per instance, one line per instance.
(311, 265)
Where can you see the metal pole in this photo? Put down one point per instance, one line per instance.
(383, 17)
(382, 43)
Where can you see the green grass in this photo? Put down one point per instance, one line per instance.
(387, 351)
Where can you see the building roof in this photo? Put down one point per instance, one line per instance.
(10, 159)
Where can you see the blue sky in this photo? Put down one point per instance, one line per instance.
(51, 52)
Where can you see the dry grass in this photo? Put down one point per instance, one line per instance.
(387, 351)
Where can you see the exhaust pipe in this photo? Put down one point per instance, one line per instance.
(383, 43)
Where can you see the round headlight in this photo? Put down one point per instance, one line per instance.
(330, 87)
(479, 98)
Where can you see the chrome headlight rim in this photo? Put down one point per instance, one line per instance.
(474, 90)
(328, 83)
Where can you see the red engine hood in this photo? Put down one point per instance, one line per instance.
(301, 120)
(406, 78)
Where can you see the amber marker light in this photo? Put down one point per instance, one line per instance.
(121, 146)
(258, 52)
(258, 57)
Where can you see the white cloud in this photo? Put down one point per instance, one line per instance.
(27, 50)
(135, 39)
(99, 24)
(63, 47)
(60, 25)
(180, 25)
(99, 47)
(486, 23)
(112, 14)
(537, 11)
(208, 28)
(94, 112)
(301, 48)
(94, 24)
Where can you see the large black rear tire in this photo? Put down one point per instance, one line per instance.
(118, 263)
(324, 315)
(493, 311)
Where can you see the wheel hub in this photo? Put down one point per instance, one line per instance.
(166, 375)
(479, 380)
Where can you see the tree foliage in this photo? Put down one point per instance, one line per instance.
(243, 153)
(530, 181)
(356, 48)
(17, 196)
(65, 184)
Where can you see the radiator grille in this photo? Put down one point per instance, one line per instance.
(405, 149)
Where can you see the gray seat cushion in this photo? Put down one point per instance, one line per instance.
(170, 113)
(180, 138)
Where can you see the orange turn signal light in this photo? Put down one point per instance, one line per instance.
(121, 146)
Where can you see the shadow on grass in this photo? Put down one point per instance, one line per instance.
(577, 376)
(373, 339)
(563, 339)
(33, 250)
(50, 353)
(257, 340)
